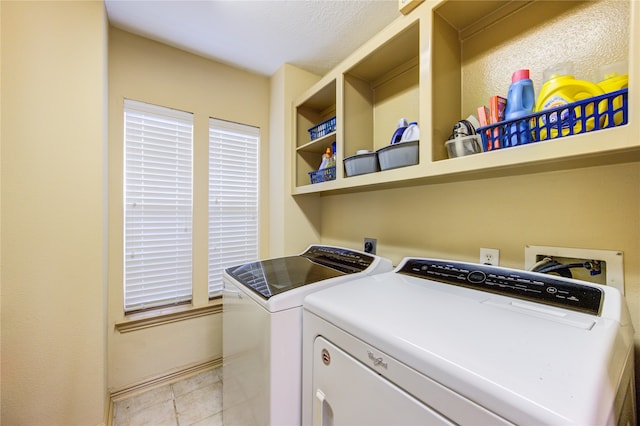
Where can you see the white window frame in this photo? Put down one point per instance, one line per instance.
(158, 206)
(233, 198)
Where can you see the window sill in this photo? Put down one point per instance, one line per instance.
(158, 317)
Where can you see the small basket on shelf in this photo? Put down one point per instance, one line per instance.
(323, 175)
(592, 114)
(322, 129)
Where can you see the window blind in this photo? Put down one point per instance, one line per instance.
(158, 205)
(233, 198)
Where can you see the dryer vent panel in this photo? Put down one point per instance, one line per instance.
(596, 266)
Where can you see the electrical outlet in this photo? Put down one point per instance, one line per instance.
(370, 245)
(489, 256)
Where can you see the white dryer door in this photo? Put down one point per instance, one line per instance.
(349, 393)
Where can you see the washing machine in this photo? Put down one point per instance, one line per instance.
(443, 342)
(262, 328)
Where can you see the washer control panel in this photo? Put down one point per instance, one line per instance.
(343, 260)
(547, 289)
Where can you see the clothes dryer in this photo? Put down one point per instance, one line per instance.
(444, 342)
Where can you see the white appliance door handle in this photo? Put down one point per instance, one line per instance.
(324, 410)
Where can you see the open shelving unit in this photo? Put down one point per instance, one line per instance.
(318, 107)
(437, 64)
(377, 87)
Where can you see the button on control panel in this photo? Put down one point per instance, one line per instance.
(539, 288)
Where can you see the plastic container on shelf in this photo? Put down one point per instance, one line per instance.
(362, 162)
(521, 100)
(411, 133)
(328, 159)
(614, 77)
(464, 145)
(327, 170)
(333, 153)
(544, 124)
(322, 129)
(323, 175)
(560, 89)
(397, 135)
(398, 155)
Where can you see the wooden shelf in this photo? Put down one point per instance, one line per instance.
(318, 145)
(437, 64)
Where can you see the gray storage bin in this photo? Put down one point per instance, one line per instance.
(360, 164)
(400, 154)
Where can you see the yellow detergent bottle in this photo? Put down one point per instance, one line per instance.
(614, 77)
(561, 88)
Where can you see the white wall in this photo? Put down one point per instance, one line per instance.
(53, 273)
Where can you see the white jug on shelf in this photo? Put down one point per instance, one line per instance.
(411, 133)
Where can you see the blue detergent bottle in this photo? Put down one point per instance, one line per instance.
(397, 135)
(521, 100)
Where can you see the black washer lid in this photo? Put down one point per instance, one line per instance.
(274, 276)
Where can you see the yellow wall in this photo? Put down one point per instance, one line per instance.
(151, 72)
(53, 274)
(597, 207)
(293, 221)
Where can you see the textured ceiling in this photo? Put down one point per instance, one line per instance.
(258, 36)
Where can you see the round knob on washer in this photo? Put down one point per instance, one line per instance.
(476, 277)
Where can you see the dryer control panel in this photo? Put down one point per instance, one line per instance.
(535, 287)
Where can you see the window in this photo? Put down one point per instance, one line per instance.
(233, 198)
(158, 206)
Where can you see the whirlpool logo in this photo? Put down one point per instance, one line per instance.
(377, 361)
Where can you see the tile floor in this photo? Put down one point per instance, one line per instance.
(194, 401)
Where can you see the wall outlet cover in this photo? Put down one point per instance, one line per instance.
(489, 256)
(370, 245)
